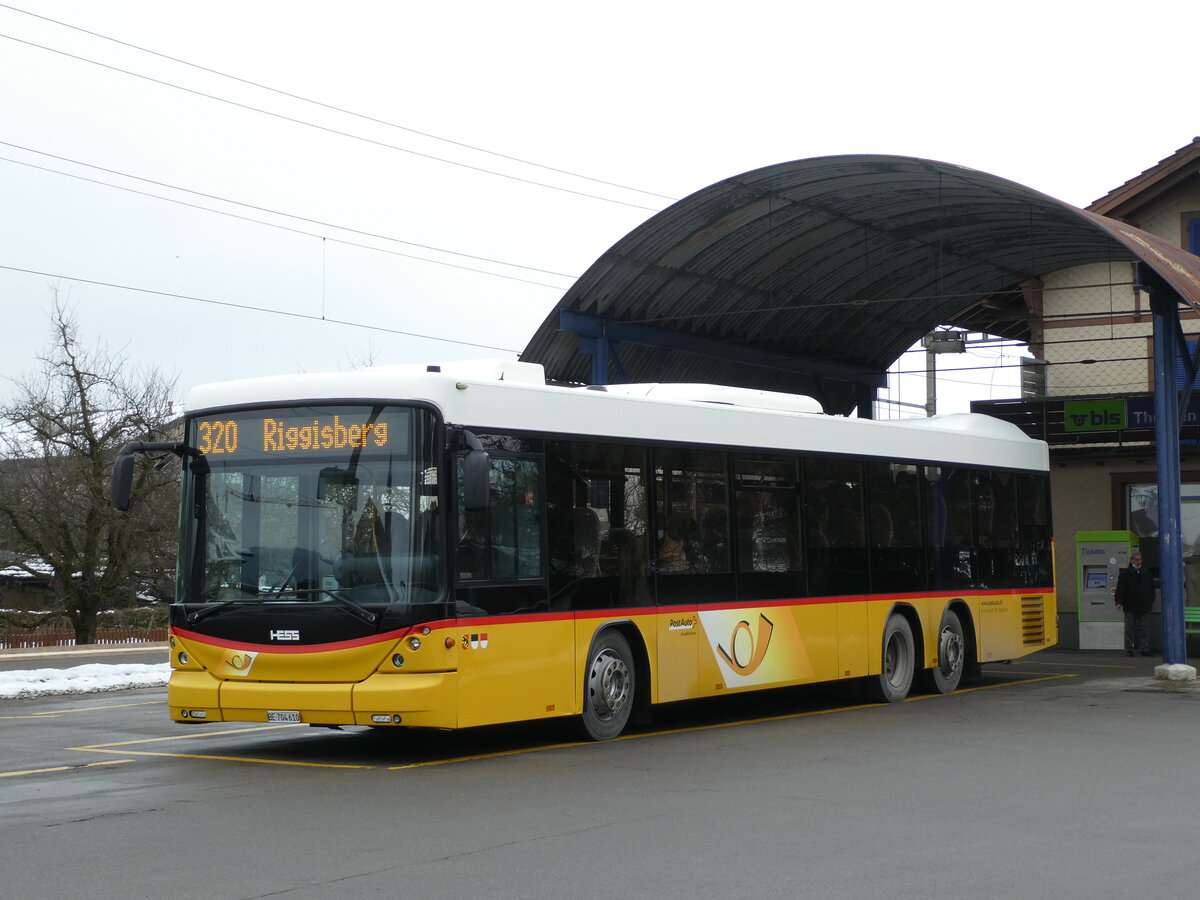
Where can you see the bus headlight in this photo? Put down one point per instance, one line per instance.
(183, 657)
(398, 660)
(414, 643)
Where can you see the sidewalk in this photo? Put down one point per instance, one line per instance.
(19, 653)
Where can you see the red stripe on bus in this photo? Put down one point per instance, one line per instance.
(386, 637)
(623, 613)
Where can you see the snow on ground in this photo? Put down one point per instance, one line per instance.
(82, 679)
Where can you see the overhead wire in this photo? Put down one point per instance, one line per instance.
(338, 109)
(325, 128)
(433, 157)
(284, 215)
(261, 309)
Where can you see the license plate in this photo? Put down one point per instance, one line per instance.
(283, 715)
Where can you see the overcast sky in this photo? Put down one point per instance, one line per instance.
(156, 172)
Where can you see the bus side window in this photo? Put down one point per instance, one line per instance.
(770, 557)
(692, 512)
(896, 534)
(837, 539)
(597, 523)
(951, 543)
(502, 545)
(1033, 569)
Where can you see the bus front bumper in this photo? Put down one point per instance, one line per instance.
(416, 699)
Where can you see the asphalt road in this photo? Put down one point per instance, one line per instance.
(1065, 775)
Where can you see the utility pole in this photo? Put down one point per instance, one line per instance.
(934, 343)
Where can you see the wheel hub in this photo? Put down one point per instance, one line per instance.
(950, 651)
(608, 684)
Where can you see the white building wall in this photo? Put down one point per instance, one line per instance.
(1165, 217)
(1082, 496)
(1082, 308)
(1093, 313)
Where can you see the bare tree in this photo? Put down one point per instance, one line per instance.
(59, 436)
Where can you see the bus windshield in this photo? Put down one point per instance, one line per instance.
(313, 504)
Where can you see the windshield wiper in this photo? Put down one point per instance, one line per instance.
(359, 612)
(199, 614)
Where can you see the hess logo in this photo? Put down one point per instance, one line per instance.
(746, 650)
(285, 634)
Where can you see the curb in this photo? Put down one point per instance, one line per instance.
(81, 650)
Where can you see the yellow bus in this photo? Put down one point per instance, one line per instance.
(457, 545)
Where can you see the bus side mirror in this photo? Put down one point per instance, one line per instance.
(122, 474)
(122, 478)
(476, 480)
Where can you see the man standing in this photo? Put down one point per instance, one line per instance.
(1135, 598)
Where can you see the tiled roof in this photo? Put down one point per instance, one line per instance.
(1124, 201)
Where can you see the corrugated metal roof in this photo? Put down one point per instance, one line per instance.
(844, 260)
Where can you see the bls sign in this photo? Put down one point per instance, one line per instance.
(1094, 415)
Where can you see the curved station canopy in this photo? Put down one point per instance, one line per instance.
(813, 276)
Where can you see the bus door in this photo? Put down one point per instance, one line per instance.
(516, 661)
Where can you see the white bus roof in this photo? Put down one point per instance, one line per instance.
(505, 395)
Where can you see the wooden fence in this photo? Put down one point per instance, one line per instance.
(12, 638)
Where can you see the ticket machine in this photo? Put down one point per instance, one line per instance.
(1099, 558)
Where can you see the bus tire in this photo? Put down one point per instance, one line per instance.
(608, 687)
(952, 657)
(892, 684)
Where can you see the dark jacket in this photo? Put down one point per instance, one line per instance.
(1135, 590)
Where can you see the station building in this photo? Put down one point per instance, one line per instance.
(812, 277)
(1089, 393)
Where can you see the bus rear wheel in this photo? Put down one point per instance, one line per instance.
(892, 684)
(952, 656)
(608, 687)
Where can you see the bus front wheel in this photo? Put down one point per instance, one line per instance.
(608, 687)
(952, 655)
(892, 684)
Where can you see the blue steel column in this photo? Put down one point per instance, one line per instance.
(865, 395)
(1165, 306)
(600, 360)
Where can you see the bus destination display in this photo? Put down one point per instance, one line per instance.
(295, 432)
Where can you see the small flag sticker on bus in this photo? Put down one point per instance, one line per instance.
(475, 641)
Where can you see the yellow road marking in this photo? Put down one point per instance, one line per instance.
(55, 713)
(91, 765)
(104, 748)
(185, 737)
(244, 759)
(1081, 665)
(691, 728)
(989, 687)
